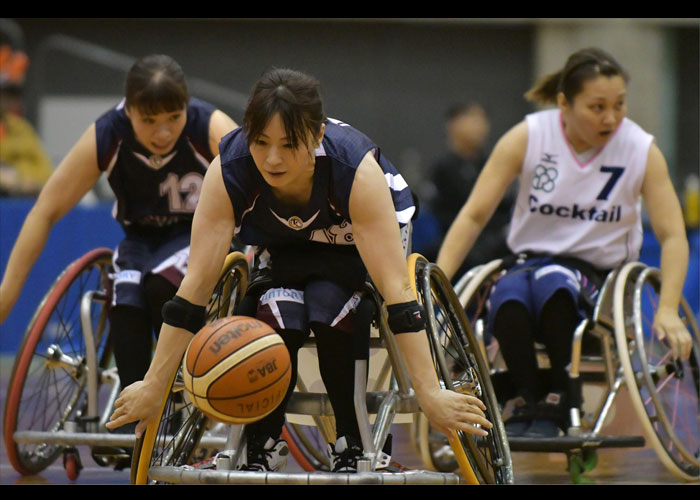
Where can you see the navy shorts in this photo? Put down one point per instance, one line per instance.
(319, 301)
(533, 283)
(138, 256)
(312, 283)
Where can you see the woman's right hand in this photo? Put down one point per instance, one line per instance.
(139, 402)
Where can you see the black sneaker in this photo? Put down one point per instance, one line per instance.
(345, 454)
(550, 417)
(270, 457)
(518, 423)
(118, 457)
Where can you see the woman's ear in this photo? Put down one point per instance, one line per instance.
(319, 138)
(562, 103)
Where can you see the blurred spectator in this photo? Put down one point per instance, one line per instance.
(24, 164)
(454, 175)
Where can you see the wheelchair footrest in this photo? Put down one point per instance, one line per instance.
(184, 475)
(566, 443)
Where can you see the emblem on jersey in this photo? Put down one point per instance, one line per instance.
(155, 161)
(337, 234)
(548, 158)
(544, 178)
(296, 222)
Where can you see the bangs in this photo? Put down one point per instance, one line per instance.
(298, 128)
(159, 98)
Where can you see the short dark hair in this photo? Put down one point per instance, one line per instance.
(580, 67)
(296, 96)
(156, 84)
(462, 108)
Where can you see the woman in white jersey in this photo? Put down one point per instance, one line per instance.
(583, 170)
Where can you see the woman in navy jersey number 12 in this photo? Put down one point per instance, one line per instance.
(583, 169)
(325, 208)
(154, 147)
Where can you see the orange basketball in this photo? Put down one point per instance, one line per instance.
(236, 370)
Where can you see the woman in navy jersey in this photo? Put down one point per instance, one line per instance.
(325, 209)
(154, 147)
(583, 169)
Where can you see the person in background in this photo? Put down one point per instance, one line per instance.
(454, 175)
(24, 165)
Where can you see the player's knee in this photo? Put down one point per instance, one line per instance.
(158, 291)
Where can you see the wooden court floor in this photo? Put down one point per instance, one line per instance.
(630, 466)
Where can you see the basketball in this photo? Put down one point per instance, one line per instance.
(236, 370)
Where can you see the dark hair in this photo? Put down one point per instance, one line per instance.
(581, 66)
(156, 84)
(295, 96)
(462, 108)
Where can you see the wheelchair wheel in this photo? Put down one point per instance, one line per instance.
(175, 438)
(663, 391)
(51, 373)
(460, 366)
(308, 445)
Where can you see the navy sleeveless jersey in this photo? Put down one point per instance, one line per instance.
(152, 190)
(262, 221)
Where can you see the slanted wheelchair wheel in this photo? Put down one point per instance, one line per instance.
(663, 391)
(460, 366)
(308, 444)
(173, 440)
(50, 377)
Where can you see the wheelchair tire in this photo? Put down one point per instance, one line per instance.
(173, 440)
(664, 393)
(308, 446)
(48, 385)
(460, 367)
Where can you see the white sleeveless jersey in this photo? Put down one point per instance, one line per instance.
(590, 210)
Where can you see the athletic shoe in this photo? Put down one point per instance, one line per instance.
(550, 417)
(521, 418)
(345, 454)
(270, 457)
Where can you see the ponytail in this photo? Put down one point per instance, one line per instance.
(580, 67)
(545, 90)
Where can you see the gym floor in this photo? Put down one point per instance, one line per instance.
(626, 466)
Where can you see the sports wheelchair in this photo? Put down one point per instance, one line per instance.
(64, 381)
(184, 446)
(615, 347)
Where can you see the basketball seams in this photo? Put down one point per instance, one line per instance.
(206, 341)
(240, 354)
(235, 359)
(227, 398)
